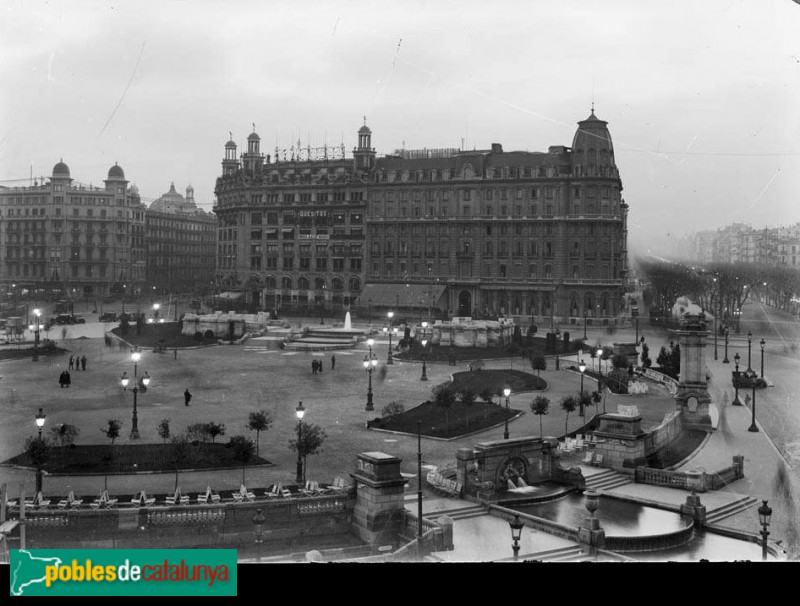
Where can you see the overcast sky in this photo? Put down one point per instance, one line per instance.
(702, 97)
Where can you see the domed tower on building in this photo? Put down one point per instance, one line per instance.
(190, 195)
(61, 173)
(364, 154)
(253, 160)
(116, 179)
(592, 149)
(231, 163)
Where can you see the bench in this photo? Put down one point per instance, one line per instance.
(440, 485)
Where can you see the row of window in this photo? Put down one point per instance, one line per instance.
(502, 270)
(444, 209)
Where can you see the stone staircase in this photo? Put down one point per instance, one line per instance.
(730, 509)
(459, 513)
(606, 480)
(562, 554)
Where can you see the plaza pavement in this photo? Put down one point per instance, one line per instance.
(230, 381)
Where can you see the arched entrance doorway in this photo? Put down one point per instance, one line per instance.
(464, 303)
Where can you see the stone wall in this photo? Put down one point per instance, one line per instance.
(466, 332)
(225, 325)
(288, 522)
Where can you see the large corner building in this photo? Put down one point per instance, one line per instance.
(78, 240)
(542, 235)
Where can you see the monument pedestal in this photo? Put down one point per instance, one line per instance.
(692, 397)
(378, 512)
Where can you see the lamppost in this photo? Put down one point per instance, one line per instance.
(584, 324)
(753, 427)
(749, 347)
(507, 394)
(135, 357)
(36, 328)
(637, 328)
(601, 381)
(736, 401)
(763, 342)
(40, 417)
(726, 360)
(582, 368)
(516, 534)
(370, 362)
(390, 330)
(558, 335)
(764, 515)
(299, 411)
(419, 483)
(424, 376)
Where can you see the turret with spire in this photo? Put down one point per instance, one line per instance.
(364, 154)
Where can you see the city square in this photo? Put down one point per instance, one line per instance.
(399, 284)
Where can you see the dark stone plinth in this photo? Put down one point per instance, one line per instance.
(618, 426)
(378, 512)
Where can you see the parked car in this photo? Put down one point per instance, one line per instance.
(68, 319)
(109, 316)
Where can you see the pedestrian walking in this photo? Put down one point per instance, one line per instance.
(67, 378)
(186, 397)
(333, 362)
(176, 353)
(62, 379)
(83, 362)
(319, 365)
(71, 362)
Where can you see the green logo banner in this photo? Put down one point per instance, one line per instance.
(123, 572)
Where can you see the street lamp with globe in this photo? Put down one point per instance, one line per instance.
(516, 534)
(736, 401)
(135, 357)
(507, 394)
(35, 328)
(370, 362)
(582, 368)
(299, 411)
(424, 376)
(764, 515)
(389, 330)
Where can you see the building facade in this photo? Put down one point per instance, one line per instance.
(181, 244)
(75, 240)
(469, 233)
(291, 227)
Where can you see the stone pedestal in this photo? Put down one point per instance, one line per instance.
(694, 508)
(621, 440)
(692, 397)
(378, 512)
(589, 532)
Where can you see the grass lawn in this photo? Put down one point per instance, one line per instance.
(440, 423)
(132, 458)
(496, 380)
(153, 334)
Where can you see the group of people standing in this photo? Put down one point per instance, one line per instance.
(78, 363)
(316, 365)
(75, 363)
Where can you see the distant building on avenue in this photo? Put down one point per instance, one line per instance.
(181, 244)
(72, 239)
(481, 233)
